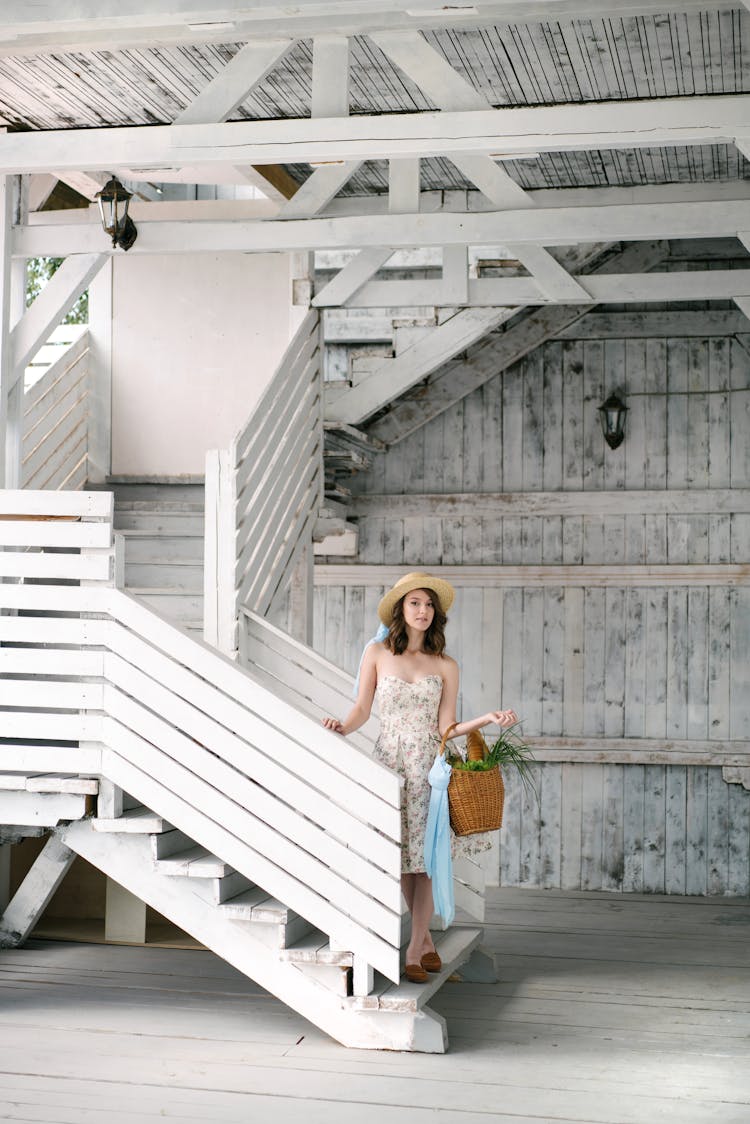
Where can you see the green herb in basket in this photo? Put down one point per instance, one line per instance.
(508, 751)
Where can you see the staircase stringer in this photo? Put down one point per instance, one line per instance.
(128, 861)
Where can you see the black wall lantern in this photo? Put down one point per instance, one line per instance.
(612, 414)
(114, 200)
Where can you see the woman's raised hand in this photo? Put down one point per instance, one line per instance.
(502, 718)
(333, 724)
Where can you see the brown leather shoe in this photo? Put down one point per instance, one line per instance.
(415, 973)
(431, 962)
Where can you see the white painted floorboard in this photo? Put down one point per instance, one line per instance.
(609, 1009)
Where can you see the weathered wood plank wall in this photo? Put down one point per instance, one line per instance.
(667, 662)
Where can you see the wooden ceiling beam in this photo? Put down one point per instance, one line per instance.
(219, 99)
(699, 285)
(606, 125)
(554, 226)
(450, 91)
(102, 24)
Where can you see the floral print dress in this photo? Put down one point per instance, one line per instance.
(408, 742)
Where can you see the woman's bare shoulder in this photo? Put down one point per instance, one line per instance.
(449, 665)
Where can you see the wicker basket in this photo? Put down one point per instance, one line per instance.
(475, 799)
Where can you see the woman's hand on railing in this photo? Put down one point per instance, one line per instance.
(333, 724)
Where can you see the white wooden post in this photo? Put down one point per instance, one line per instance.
(99, 439)
(33, 895)
(6, 355)
(124, 915)
(363, 977)
(219, 587)
(14, 439)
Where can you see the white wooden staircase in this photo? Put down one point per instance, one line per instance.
(161, 533)
(262, 835)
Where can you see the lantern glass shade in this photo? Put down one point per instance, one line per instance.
(114, 200)
(612, 414)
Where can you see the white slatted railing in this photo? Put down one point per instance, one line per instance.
(55, 423)
(264, 493)
(219, 754)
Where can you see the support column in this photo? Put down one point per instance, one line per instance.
(100, 375)
(34, 894)
(124, 915)
(6, 300)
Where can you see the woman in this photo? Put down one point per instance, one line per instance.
(417, 688)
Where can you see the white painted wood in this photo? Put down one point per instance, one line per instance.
(330, 76)
(34, 893)
(217, 101)
(51, 306)
(398, 375)
(85, 505)
(149, 784)
(88, 567)
(260, 796)
(554, 280)
(28, 29)
(493, 181)
(124, 915)
(231, 680)
(458, 380)
(99, 339)
(455, 275)
(8, 453)
(363, 977)
(317, 191)
(403, 186)
(54, 532)
(351, 278)
(546, 226)
(48, 782)
(127, 862)
(589, 503)
(111, 801)
(219, 621)
(488, 292)
(510, 577)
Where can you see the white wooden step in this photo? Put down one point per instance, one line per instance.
(42, 809)
(455, 947)
(315, 948)
(156, 492)
(170, 842)
(170, 603)
(185, 577)
(195, 862)
(48, 782)
(283, 927)
(160, 522)
(139, 820)
(143, 546)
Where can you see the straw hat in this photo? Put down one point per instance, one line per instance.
(443, 590)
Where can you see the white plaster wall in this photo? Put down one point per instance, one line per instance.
(195, 339)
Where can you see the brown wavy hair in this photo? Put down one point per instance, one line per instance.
(434, 641)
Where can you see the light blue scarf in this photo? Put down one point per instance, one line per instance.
(437, 840)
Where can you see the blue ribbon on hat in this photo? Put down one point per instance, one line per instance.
(379, 636)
